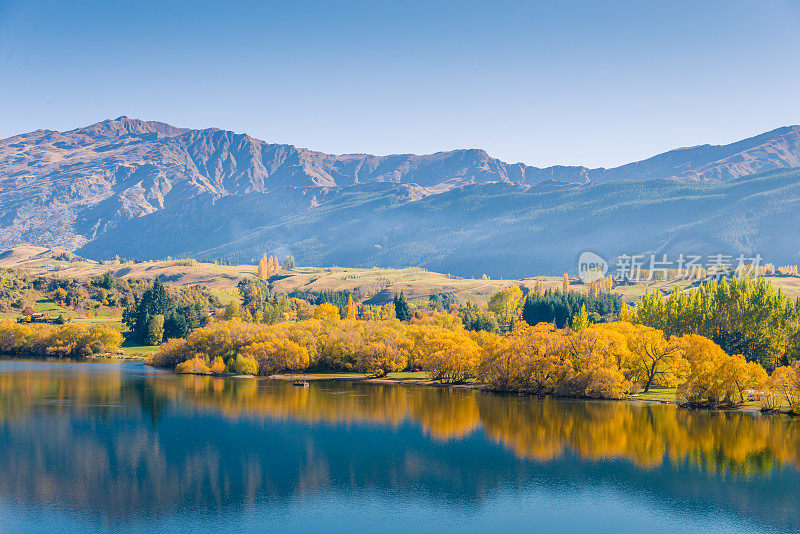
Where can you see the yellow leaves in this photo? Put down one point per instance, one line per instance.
(785, 382)
(449, 356)
(242, 365)
(326, 312)
(352, 310)
(543, 360)
(68, 340)
(218, 366)
(651, 358)
(268, 267)
(715, 378)
(505, 302)
(195, 366)
(581, 319)
(278, 355)
(607, 383)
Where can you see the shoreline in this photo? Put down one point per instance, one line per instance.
(335, 377)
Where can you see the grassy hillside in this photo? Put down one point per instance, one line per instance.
(373, 285)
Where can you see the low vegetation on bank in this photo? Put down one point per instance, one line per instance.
(720, 345)
(607, 360)
(63, 341)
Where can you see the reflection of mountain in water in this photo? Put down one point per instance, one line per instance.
(114, 441)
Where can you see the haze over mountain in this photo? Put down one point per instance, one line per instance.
(149, 189)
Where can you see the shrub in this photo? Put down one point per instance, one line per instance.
(242, 365)
(218, 366)
(785, 382)
(195, 366)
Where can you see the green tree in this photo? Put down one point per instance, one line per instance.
(581, 319)
(108, 280)
(252, 292)
(504, 304)
(749, 317)
(401, 308)
(288, 263)
(474, 319)
(155, 330)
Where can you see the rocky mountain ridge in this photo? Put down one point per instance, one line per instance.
(83, 187)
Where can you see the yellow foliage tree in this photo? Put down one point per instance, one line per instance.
(504, 303)
(218, 366)
(326, 312)
(785, 382)
(651, 359)
(195, 366)
(352, 310)
(278, 355)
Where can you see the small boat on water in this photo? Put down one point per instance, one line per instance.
(300, 383)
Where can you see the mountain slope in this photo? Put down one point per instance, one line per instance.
(779, 148)
(149, 189)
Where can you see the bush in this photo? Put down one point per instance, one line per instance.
(68, 340)
(218, 366)
(717, 379)
(785, 382)
(242, 365)
(195, 366)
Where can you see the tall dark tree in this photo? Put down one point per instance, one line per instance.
(401, 309)
(178, 321)
(559, 307)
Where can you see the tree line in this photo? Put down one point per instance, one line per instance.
(606, 360)
(68, 340)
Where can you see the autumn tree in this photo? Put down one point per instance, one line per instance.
(785, 382)
(581, 319)
(653, 359)
(155, 330)
(263, 269)
(715, 378)
(352, 310)
(504, 304)
(326, 312)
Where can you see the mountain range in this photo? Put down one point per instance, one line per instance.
(145, 189)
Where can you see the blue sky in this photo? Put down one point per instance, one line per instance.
(583, 82)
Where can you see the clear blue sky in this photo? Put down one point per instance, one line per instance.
(584, 82)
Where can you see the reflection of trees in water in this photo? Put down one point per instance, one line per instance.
(536, 428)
(646, 435)
(118, 443)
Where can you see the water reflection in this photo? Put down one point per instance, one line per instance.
(541, 429)
(119, 441)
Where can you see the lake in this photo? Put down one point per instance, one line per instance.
(117, 446)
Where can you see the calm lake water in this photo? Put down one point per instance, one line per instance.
(96, 447)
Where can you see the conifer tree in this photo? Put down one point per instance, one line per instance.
(401, 309)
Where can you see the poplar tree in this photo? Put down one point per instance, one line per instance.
(351, 308)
